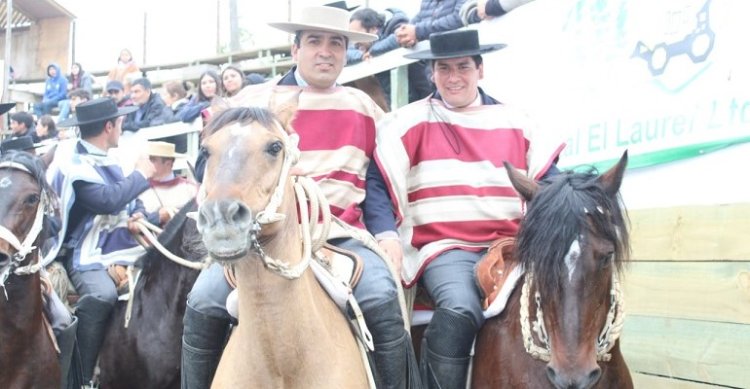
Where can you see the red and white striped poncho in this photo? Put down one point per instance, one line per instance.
(444, 171)
(337, 138)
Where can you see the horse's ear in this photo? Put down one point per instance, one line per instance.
(286, 111)
(525, 186)
(49, 156)
(612, 178)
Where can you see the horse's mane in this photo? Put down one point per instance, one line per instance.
(179, 226)
(566, 206)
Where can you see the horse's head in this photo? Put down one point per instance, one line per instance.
(25, 199)
(246, 180)
(572, 242)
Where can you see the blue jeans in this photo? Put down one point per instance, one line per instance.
(44, 108)
(64, 106)
(375, 288)
(450, 281)
(96, 283)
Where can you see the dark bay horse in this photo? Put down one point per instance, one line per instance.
(290, 333)
(146, 354)
(27, 353)
(560, 326)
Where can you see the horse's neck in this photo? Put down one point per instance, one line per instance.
(268, 299)
(22, 309)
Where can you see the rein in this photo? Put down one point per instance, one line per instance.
(147, 230)
(23, 249)
(604, 342)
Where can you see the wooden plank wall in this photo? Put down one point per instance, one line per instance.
(688, 297)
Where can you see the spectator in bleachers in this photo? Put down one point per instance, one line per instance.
(116, 91)
(152, 111)
(45, 129)
(232, 80)
(77, 79)
(125, 66)
(77, 96)
(488, 9)
(384, 25)
(433, 16)
(21, 124)
(209, 86)
(174, 95)
(55, 90)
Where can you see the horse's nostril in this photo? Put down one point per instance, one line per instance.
(551, 374)
(594, 376)
(242, 215)
(4, 259)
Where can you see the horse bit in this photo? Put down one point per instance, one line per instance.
(23, 249)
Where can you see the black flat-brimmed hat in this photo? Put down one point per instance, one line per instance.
(95, 111)
(454, 44)
(341, 5)
(5, 107)
(22, 143)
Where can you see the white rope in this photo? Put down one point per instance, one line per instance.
(282, 268)
(145, 228)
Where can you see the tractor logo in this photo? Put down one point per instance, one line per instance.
(697, 45)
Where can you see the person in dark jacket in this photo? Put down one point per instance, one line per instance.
(55, 90)
(95, 192)
(77, 79)
(474, 11)
(384, 25)
(21, 124)
(209, 86)
(152, 111)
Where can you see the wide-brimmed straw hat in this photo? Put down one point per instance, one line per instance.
(454, 44)
(323, 18)
(95, 111)
(163, 149)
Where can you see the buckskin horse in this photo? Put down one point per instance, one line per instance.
(561, 324)
(27, 353)
(290, 333)
(146, 354)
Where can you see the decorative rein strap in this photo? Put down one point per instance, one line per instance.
(604, 342)
(24, 248)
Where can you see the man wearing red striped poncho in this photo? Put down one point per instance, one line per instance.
(441, 161)
(336, 127)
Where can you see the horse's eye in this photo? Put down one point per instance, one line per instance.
(275, 148)
(32, 199)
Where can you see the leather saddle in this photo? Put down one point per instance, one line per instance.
(493, 269)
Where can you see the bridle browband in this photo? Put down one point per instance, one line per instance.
(25, 247)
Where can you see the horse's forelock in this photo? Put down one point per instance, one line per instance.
(34, 164)
(567, 207)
